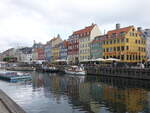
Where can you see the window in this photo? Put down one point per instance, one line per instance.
(107, 42)
(114, 48)
(118, 41)
(127, 57)
(122, 57)
(118, 48)
(110, 49)
(114, 35)
(104, 42)
(114, 41)
(122, 40)
(122, 48)
(139, 41)
(110, 41)
(136, 35)
(104, 49)
(136, 41)
(107, 49)
(139, 49)
(122, 33)
(127, 47)
(127, 40)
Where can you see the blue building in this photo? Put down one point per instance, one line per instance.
(47, 51)
(63, 49)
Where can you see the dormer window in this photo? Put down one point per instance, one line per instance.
(122, 33)
(133, 29)
(114, 35)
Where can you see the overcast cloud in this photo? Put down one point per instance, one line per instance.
(22, 21)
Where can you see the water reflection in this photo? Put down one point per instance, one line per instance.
(77, 94)
(97, 94)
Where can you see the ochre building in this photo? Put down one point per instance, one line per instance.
(126, 44)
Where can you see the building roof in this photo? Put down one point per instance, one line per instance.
(99, 38)
(125, 29)
(85, 30)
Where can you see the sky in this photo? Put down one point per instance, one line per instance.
(23, 21)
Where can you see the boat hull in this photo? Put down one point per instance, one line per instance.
(75, 73)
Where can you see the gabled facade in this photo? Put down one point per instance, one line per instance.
(63, 49)
(86, 36)
(126, 44)
(73, 49)
(55, 53)
(55, 47)
(38, 51)
(48, 51)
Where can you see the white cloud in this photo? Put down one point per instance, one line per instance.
(22, 21)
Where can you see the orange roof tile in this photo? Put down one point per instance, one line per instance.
(125, 29)
(86, 29)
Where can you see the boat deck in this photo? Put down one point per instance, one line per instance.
(15, 78)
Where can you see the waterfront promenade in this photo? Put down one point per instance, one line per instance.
(7, 105)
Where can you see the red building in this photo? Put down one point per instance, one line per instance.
(40, 53)
(73, 48)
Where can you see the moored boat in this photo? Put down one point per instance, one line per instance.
(75, 70)
(15, 76)
(51, 69)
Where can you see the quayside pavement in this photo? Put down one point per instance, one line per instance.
(7, 105)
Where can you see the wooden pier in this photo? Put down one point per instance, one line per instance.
(7, 105)
(136, 73)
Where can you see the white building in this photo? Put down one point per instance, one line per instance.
(86, 36)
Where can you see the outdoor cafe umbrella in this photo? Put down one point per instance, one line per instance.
(112, 59)
(100, 59)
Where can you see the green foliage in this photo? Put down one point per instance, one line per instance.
(9, 59)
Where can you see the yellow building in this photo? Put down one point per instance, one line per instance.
(54, 43)
(55, 53)
(126, 44)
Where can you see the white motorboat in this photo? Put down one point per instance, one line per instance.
(75, 70)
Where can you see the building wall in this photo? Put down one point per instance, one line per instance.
(40, 52)
(96, 49)
(73, 49)
(63, 47)
(84, 42)
(84, 48)
(95, 32)
(55, 53)
(130, 47)
(47, 52)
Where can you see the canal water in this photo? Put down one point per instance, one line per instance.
(58, 93)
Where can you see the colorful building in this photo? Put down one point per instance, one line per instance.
(55, 47)
(63, 47)
(55, 53)
(126, 44)
(47, 51)
(38, 51)
(96, 47)
(86, 36)
(73, 49)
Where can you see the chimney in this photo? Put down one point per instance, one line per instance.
(58, 36)
(92, 23)
(118, 26)
(139, 29)
(34, 42)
